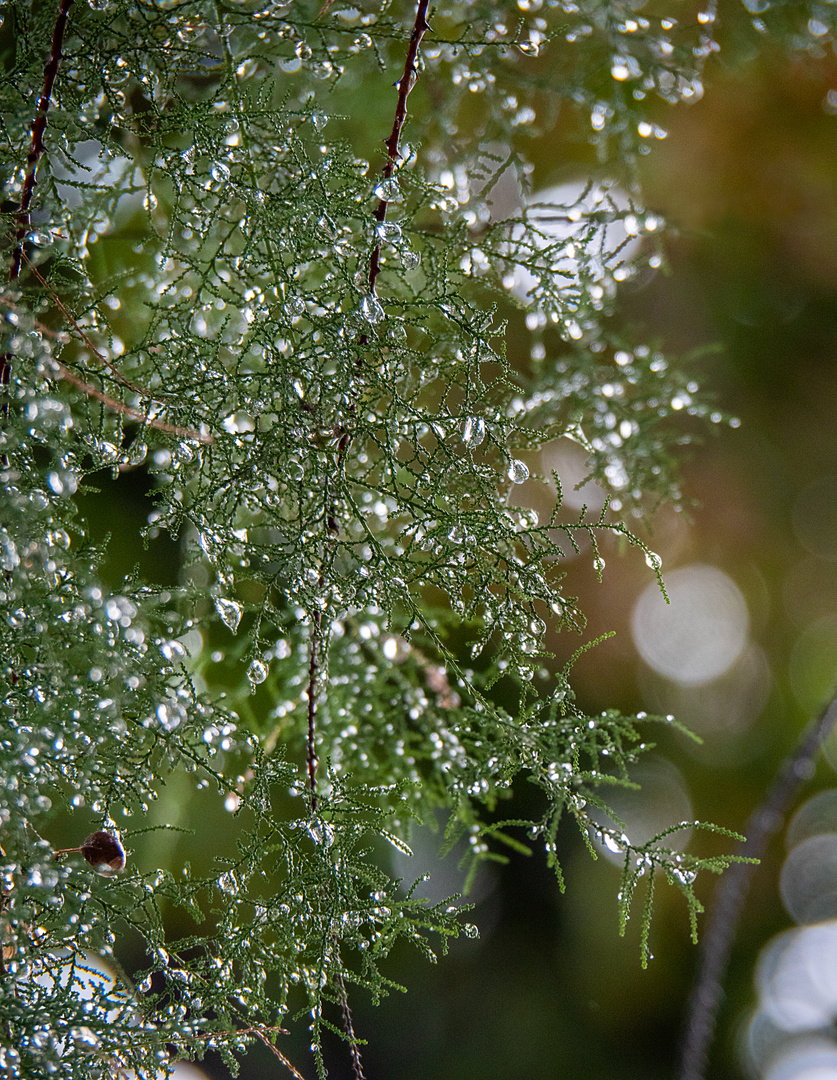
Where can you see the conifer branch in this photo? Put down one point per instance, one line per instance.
(405, 85)
(731, 893)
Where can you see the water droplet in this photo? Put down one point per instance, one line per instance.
(295, 305)
(220, 173)
(409, 258)
(322, 833)
(325, 229)
(529, 48)
(653, 560)
(389, 190)
(257, 672)
(518, 472)
(473, 433)
(137, 452)
(598, 564)
(388, 231)
(227, 883)
(230, 612)
(371, 310)
(319, 120)
(170, 715)
(9, 557)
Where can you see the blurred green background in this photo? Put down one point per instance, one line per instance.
(747, 177)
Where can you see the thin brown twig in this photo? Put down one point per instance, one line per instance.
(260, 1033)
(731, 894)
(36, 145)
(117, 374)
(348, 1027)
(64, 372)
(274, 1049)
(405, 85)
(393, 143)
(36, 149)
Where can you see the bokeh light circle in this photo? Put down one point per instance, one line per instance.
(700, 634)
(816, 816)
(797, 978)
(809, 880)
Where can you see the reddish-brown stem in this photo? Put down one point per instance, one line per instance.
(36, 149)
(393, 143)
(79, 330)
(36, 145)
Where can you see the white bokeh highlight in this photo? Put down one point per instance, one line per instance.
(700, 634)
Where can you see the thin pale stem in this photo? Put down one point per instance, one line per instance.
(348, 1027)
(313, 667)
(728, 904)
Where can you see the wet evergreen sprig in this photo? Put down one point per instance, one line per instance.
(229, 283)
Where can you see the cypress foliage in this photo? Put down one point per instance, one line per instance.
(242, 262)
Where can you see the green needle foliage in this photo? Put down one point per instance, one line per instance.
(220, 274)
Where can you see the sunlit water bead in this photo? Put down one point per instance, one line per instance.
(473, 432)
(388, 231)
(230, 612)
(653, 560)
(530, 46)
(518, 471)
(257, 672)
(220, 174)
(371, 310)
(137, 452)
(295, 306)
(409, 258)
(389, 190)
(170, 715)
